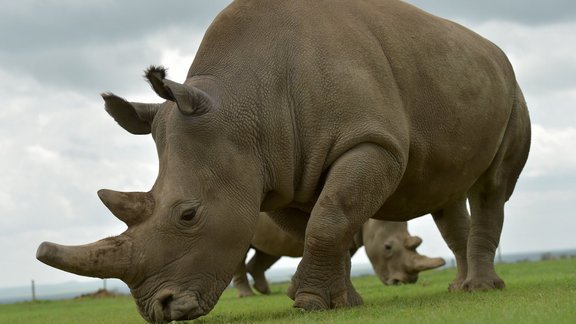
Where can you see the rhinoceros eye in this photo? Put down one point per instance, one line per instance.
(188, 214)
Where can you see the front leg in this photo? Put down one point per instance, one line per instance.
(356, 186)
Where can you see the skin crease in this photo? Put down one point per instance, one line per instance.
(323, 114)
(391, 249)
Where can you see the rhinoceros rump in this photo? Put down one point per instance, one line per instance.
(324, 114)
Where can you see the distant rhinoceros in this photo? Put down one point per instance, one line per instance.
(324, 114)
(389, 246)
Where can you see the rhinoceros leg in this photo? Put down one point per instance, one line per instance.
(356, 186)
(485, 229)
(257, 266)
(453, 221)
(291, 220)
(241, 280)
(487, 198)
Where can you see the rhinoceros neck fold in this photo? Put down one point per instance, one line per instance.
(108, 258)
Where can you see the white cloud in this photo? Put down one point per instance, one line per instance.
(552, 151)
(178, 63)
(545, 65)
(40, 154)
(539, 53)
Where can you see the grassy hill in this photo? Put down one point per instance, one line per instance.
(537, 292)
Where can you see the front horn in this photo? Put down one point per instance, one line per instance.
(129, 207)
(423, 263)
(107, 258)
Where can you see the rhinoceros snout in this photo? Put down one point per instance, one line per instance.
(412, 278)
(400, 280)
(169, 307)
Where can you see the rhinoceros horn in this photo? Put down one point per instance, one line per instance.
(423, 263)
(412, 242)
(129, 207)
(190, 100)
(107, 258)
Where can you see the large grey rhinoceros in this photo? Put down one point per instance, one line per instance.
(389, 246)
(324, 113)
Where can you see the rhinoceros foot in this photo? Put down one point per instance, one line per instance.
(260, 282)
(339, 293)
(325, 284)
(310, 301)
(244, 292)
(456, 285)
(314, 301)
(241, 283)
(261, 285)
(483, 283)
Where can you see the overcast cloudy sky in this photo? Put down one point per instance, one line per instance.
(59, 146)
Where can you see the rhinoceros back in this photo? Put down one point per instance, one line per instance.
(320, 77)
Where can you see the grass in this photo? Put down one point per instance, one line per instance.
(537, 292)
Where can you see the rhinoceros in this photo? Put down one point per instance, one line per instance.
(324, 114)
(389, 246)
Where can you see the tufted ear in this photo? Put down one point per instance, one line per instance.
(190, 100)
(156, 75)
(132, 116)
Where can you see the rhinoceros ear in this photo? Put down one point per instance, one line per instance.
(156, 75)
(134, 117)
(190, 100)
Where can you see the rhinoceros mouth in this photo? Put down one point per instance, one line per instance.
(169, 306)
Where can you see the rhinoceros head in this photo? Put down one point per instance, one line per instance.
(188, 233)
(392, 252)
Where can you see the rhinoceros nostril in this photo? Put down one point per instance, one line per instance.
(180, 308)
(412, 279)
(165, 302)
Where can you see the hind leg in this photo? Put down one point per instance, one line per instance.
(257, 266)
(487, 198)
(453, 221)
(240, 280)
(487, 208)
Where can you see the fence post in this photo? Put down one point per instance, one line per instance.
(33, 291)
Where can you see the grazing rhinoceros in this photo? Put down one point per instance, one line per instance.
(389, 246)
(324, 113)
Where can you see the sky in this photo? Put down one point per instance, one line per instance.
(59, 146)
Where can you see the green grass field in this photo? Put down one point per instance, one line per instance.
(537, 292)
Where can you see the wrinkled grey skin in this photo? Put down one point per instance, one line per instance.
(323, 113)
(389, 246)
